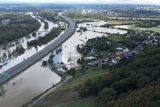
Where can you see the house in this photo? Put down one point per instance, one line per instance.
(119, 53)
(112, 56)
(119, 49)
(126, 50)
(105, 59)
(5, 22)
(96, 63)
(116, 60)
(90, 58)
(127, 55)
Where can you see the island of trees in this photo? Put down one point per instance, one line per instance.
(16, 25)
(44, 40)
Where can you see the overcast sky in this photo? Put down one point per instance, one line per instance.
(85, 1)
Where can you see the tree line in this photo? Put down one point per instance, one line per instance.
(44, 40)
(19, 26)
(127, 79)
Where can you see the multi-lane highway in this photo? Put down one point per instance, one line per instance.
(39, 55)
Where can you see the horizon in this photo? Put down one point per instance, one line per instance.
(105, 2)
(33, 3)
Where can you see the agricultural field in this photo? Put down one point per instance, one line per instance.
(155, 29)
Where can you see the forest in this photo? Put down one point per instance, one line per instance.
(16, 25)
(131, 83)
(51, 16)
(148, 23)
(44, 40)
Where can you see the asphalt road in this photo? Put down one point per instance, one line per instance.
(39, 55)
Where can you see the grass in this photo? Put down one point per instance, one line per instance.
(150, 18)
(67, 96)
(122, 22)
(155, 29)
(78, 103)
(115, 38)
(81, 79)
(78, 14)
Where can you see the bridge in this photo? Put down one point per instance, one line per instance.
(10, 73)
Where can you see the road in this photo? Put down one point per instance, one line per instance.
(39, 55)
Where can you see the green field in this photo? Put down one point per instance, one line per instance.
(115, 38)
(78, 14)
(155, 29)
(122, 22)
(78, 103)
(81, 79)
(63, 95)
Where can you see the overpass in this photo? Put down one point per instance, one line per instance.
(39, 55)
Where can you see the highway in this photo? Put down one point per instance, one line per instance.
(39, 55)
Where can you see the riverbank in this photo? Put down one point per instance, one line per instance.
(66, 92)
(26, 80)
(64, 78)
(10, 60)
(36, 57)
(28, 84)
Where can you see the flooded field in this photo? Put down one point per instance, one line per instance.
(10, 47)
(34, 80)
(37, 78)
(122, 26)
(69, 54)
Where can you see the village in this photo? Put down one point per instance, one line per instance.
(122, 52)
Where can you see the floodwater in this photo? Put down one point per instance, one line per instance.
(122, 26)
(28, 85)
(95, 26)
(37, 78)
(69, 54)
(33, 81)
(8, 63)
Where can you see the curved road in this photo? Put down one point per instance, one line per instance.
(39, 55)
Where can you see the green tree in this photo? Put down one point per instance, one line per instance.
(107, 94)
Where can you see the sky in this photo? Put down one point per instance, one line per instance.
(84, 1)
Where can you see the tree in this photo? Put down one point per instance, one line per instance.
(44, 63)
(107, 94)
(72, 72)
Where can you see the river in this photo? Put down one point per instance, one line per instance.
(34, 80)
(37, 78)
(8, 63)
